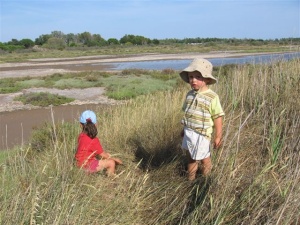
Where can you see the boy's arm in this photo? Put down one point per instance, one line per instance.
(218, 123)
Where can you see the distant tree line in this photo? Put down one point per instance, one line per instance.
(59, 40)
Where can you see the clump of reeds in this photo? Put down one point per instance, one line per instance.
(255, 177)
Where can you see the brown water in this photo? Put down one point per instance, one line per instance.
(16, 126)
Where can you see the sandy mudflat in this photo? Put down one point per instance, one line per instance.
(48, 66)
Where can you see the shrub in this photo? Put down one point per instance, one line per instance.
(134, 72)
(164, 75)
(91, 78)
(43, 99)
(55, 43)
(122, 94)
(9, 85)
(168, 71)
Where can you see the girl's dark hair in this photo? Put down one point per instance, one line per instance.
(90, 129)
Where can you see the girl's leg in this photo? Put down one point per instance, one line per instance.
(192, 168)
(206, 166)
(107, 164)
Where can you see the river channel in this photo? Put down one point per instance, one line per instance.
(179, 64)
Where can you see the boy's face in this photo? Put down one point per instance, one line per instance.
(196, 80)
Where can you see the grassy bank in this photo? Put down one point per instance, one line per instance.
(255, 178)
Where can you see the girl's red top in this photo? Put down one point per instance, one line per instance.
(87, 150)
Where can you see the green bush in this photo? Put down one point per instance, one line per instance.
(43, 99)
(122, 94)
(28, 83)
(134, 72)
(11, 48)
(55, 43)
(91, 78)
(168, 71)
(165, 75)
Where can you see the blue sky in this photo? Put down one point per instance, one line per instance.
(158, 19)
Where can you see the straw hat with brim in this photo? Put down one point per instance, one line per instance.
(201, 65)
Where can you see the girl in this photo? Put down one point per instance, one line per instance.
(90, 154)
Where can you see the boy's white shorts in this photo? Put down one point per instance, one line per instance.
(196, 144)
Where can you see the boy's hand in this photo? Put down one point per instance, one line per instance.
(218, 132)
(217, 142)
(182, 133)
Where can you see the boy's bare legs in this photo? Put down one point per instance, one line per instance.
(192, 168)
(206, 166)
(194, 164)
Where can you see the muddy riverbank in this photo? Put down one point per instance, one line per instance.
(17, 120)
(16, 126)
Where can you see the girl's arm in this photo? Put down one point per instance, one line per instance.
(105, 155)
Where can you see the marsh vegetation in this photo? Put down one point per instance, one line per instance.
(123, 85)
(255, 178)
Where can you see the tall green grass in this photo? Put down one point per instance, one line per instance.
(255, 177)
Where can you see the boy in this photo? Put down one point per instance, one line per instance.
(202, 112)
